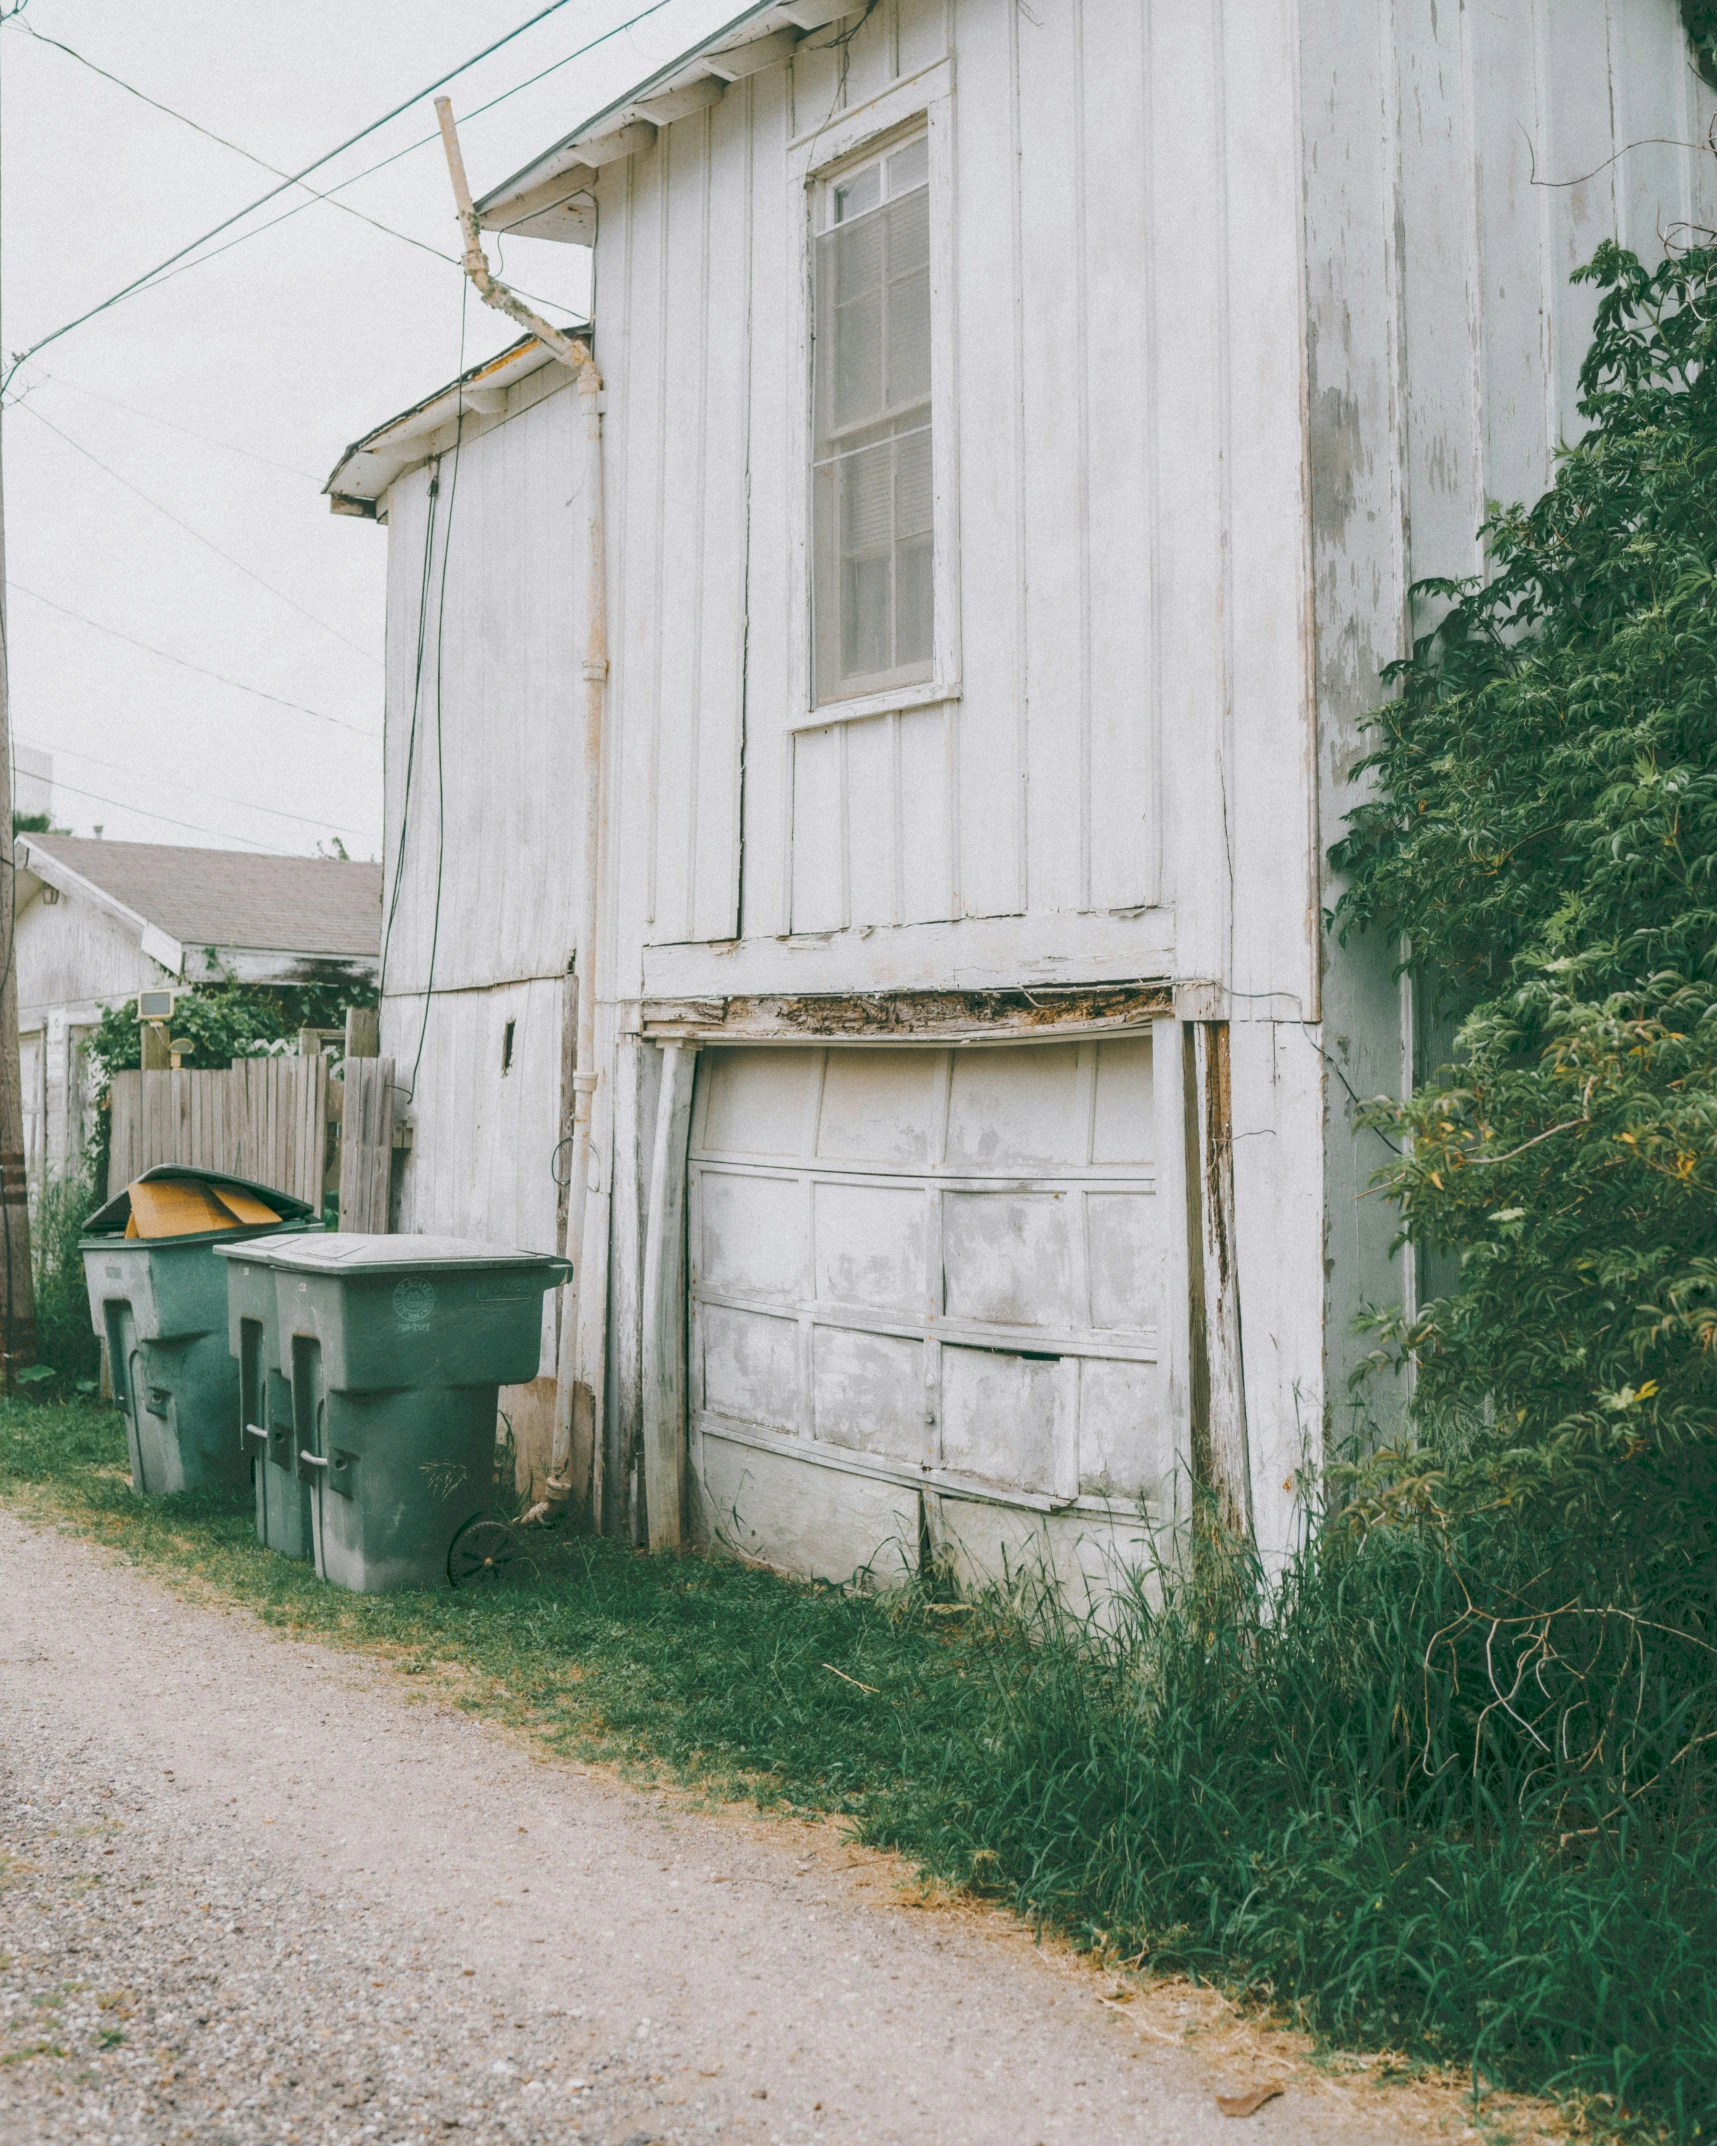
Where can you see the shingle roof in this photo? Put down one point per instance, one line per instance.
(223, 897)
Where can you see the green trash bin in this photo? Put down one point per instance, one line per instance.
(160, 1303)
(265, 1403)
(395, 1349)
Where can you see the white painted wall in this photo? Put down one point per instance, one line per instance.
(72, 963)
(1244, 310)
(482, 829)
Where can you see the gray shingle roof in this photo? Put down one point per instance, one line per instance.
(223, 897)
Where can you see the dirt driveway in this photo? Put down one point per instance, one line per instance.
(250, 1891)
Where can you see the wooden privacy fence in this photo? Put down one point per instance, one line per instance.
(275, 1121)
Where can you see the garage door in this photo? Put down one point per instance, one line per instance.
(921, 1277)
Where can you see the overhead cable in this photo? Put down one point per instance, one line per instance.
(209, 543)
(137, 282)
(124, 804)
(215, 797)
(202, 670)
(177, 263)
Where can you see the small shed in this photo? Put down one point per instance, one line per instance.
(99, 921)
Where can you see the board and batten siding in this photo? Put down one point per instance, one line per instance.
(1460, 162)
(497, 609)
(480, 901)
(1104, 389)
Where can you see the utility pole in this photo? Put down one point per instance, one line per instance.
(17, 1287)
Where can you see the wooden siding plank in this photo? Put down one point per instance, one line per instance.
(990, 341)
(664, 1365)
(1119, 363)
(775, 377)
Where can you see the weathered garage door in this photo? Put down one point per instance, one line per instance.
(924, 1293)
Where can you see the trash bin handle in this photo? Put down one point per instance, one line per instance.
(313, 1460)
(255, 1430)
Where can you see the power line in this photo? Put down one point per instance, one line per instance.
(215, 797)
(179, 523)
(196, 126)
(124, 804)
(177, 264)
(151, 417)
(137, 282)
(202, 670)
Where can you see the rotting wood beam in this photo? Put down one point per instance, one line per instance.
(664, 1367)
(895, 1016)
(1220, 1448)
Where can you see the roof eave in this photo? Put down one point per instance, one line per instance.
(370, 465)
(624, 125)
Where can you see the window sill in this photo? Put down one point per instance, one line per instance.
(928, 693)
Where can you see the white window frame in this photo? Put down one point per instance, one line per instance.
(922, 104)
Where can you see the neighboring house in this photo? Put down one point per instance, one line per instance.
(1021, 431)
(98, 922)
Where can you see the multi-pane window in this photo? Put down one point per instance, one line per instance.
(871, 473)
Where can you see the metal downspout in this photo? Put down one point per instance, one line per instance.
(574, 1458)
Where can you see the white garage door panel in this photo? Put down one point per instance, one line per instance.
(870, 1244)
(868, 1392)
(750, 1366)
(1012, 1259)
(941, 1266)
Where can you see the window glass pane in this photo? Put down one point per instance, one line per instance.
(912, 492)
(910, 166)
(912, 604)
(865, 620)
(862, 191)
(873, 495)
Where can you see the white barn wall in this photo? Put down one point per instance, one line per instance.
(72, 963)
(1244, 312)
(1443, 345)
(1130, 752)
(494, 817)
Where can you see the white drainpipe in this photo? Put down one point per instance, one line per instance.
(575, 1457)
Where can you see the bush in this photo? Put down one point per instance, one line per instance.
(1544, 835)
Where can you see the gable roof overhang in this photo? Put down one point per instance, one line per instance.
(550, 197)
(194, 961)
(367, 468)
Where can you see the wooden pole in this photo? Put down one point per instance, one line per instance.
(17, 1290)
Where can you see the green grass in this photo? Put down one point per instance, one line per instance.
(1286, 1804)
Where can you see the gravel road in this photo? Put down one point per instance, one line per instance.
(251, 1891)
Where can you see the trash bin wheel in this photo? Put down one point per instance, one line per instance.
(481, 1552)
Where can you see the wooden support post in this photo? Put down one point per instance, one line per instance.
(363, 1032)
(1221, 1455)
(664, 1368)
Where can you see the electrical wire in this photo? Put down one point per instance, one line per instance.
(440, 759)
(124, 804)
(137, 282)
(431, 512)
(291, 603)
(151, 417)
(215, 797)
(178, 264)
(196, 126)
(357, 729)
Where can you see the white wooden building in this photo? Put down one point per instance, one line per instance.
(1020, 430)
(97, 922)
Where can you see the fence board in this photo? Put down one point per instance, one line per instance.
(366, 1144)
(266, 1120)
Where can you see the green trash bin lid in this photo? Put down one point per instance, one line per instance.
(110, 1221)
(344, 1252)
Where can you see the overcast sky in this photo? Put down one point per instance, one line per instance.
(226, 394)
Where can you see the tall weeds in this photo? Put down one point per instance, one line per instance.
(1473, 1827)
(65, 1339)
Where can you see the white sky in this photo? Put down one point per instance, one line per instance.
(243, 379)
